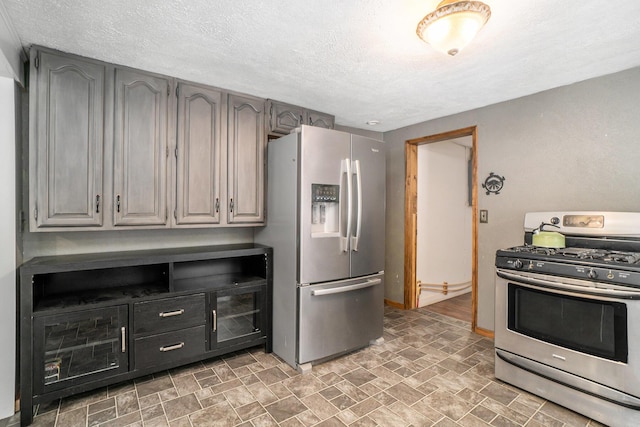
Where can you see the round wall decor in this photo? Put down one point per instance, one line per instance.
(493, 183)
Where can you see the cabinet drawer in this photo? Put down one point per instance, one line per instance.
(169, 347)
(168, 314)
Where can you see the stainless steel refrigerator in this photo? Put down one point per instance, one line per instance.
(326, 223)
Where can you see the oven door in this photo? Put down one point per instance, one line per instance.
(585, 329)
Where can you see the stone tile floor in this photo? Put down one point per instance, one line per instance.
(430, 371)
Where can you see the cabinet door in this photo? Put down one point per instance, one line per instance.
(67, 142)
(246, 146)
(140, 148)
(320, 120)
(198, 155)
(238, 316)
(79, 347)
(283, 118)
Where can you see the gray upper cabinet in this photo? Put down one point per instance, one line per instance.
(141, 127)
(283, 118)
(245, 159)
(66, 141)
(112, 147)
(320, 120)
(198, 161)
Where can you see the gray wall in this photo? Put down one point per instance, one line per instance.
(71, 242)
(363, 132)
(571, 148)
(8, 248)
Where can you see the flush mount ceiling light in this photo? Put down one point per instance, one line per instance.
(453, 24)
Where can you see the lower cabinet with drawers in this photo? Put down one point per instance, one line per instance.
(92, 320)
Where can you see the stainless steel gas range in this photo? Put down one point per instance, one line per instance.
(568, 313)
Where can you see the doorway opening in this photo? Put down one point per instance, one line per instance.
(411, 287)
(443, 248)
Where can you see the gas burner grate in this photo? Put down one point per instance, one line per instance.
(582, 253)
(624, 257)
(530, 249)
(619, 257)
(602, 255)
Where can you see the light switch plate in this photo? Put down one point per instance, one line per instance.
(484, 215)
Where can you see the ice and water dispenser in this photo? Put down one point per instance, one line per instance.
(325, 210)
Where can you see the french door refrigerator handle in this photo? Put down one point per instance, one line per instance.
(341, 289)
(345, 170)
(355, 239)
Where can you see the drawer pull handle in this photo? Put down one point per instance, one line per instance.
(215, 321)
(123, 335)
(171, 313)
(172, 347)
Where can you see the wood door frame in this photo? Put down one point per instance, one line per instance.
(411, 213)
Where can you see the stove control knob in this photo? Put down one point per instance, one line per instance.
(592, 274)
(517, 264)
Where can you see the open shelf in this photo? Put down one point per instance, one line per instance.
(64, 290)
(71, 299)
(216, 281)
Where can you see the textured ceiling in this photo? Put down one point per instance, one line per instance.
(359, 59)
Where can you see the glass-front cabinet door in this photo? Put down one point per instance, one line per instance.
(71, 348)
(238, 315)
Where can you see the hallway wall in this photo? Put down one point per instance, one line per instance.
(444, 220)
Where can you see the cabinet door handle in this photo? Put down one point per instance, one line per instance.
(172, 347)
(118, 203)
(231, 206)
(123, 336)
(215, 321)
(171, 313)
(217, 205)
(97, 203)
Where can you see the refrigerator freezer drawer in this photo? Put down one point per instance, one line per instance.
(338, 317)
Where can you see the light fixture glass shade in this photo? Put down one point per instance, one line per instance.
(453, 24)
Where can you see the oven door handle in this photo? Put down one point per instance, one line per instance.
(587, 289)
